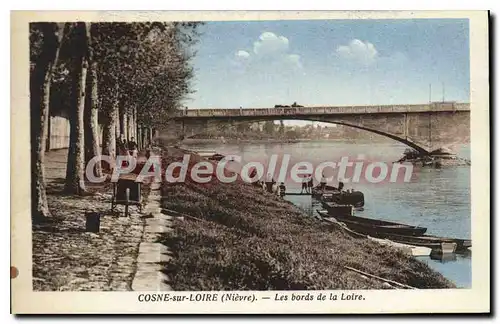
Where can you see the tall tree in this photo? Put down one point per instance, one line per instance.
(144, 70)
(75, 170)
(110, 120)
(91, 123)
(45, 45)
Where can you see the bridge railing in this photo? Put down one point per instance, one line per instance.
(324, 110)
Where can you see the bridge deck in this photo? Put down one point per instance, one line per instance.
(323, 110)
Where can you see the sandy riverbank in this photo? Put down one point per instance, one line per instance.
(238, 237)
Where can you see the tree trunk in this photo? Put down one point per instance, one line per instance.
(92, 110)
(139, 137)
(40, 81)
(108, 135)
(75, 170)
(131, 123)
(48, 134)
(124, 122)
(109, 138)
(145, 136)
(134, 125)
(150, 134)
(116, 112)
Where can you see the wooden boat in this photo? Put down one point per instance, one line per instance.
(425, 243)
(383, 227)
(216, 157)
(436, 247)
(425, 240)
(331, 194)
(407, 248)
(373, 227)
(336, 210)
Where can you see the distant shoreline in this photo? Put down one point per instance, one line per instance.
(258, 141)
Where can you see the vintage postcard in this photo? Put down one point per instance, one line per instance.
(250, 162)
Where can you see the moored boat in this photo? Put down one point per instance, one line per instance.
(461, 244)
(336, 210)
(332, 194)
(370, 228)
(436, 247)
(407, 248)
(375, 227)
(216, 157)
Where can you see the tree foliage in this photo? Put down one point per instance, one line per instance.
(143, 68)
(149, 61)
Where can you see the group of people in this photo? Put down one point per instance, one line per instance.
(268, 184)
(125, 147)
(308, 184)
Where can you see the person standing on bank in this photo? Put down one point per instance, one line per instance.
(282, 189)
(310, 184)
(124, 142)
(269, 182)
(304, 184)
(132, 146)
(322, 183)
(122, 146)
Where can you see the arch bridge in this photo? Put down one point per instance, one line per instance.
(423, 127)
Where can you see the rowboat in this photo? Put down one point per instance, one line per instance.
(406, 248)
(374, 227)
(427, 240)
(436, 247)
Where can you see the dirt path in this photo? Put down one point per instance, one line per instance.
(65, 257)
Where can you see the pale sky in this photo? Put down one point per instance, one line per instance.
(331, 62)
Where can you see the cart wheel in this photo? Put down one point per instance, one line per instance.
(127, 197)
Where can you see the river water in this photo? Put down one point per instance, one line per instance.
(438, 199)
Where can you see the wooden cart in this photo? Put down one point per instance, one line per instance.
(127, 192)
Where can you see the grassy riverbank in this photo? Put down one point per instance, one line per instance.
(239, 237)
